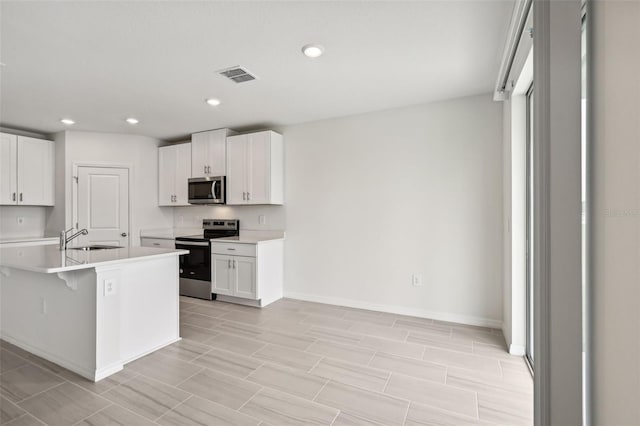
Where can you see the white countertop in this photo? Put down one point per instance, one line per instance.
(50, 259)
(169, 233)
(252, 237)
(26, 239)
(246, 236)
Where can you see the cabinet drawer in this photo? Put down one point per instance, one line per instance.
(234, 249)
(157, 242)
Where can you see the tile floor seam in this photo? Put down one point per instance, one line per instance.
(250, 398)
(182, 381)
(316, 364)
(37, 393)
(92, 414)
(25, 414)
(133, 412)
(15, 368)
(387, 383)
(174, 407)
(320, 391)
(406, 414)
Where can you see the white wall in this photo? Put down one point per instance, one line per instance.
(614, 28)
(372, 199)
(138, 152)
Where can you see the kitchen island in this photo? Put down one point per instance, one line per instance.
(89, 311)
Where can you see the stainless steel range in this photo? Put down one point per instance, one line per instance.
(195, 267)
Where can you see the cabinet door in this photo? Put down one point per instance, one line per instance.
(199, 154)
(237, 169)
(244, 269)
(8, 172)
(166, 175)
(183, 173)
(221, 274)
(218, 152)
(35, 172)
(259, 168)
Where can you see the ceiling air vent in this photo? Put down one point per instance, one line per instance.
(237, 74)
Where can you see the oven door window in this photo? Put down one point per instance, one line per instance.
(197, 264)
(204, 190)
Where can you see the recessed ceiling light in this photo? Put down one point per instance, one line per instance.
(67, 121)
(312, 50)
(213, 101)
(132, 120)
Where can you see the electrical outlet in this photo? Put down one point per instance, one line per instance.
(262, 219)
(416, 280)
(20, 220)
(109, 287)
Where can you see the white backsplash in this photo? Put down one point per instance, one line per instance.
(22, 221)
(191, 217)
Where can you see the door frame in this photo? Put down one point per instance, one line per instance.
(74, 189)
(529, 168)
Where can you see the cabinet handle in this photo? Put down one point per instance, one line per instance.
(244, 195)
(21, 196)
(248, 196)
(14, 196)
(234, 264)
(229, 263)
(231, 249)
(205, 169)
(208, 169)
(156, 244)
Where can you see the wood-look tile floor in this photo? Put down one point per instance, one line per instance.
(291, 363)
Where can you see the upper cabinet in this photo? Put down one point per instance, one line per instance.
(26, 171)
(208, 153)
(174, 170)
(255, 166)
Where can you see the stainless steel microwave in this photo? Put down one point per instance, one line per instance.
(207, 190)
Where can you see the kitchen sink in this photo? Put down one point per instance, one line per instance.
(95, 247)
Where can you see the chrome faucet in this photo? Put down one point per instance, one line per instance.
(64, 241)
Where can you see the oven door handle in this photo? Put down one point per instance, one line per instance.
(191, 243)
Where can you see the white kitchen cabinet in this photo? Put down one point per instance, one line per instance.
(157, 242)
(174, 171)
(26, 171)
(255, 169)
(247, 273)
(209, 153)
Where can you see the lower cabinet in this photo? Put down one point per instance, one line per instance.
(248, 272)
(234, 276)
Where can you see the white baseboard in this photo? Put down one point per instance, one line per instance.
(400, 310)
(516, 350)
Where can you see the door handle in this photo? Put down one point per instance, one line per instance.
(124, 234)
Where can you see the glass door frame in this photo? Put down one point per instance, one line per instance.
(529, 168)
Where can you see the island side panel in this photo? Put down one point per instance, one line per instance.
(51, 317)
(149, 306)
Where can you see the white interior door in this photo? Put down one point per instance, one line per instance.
(103, 205)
